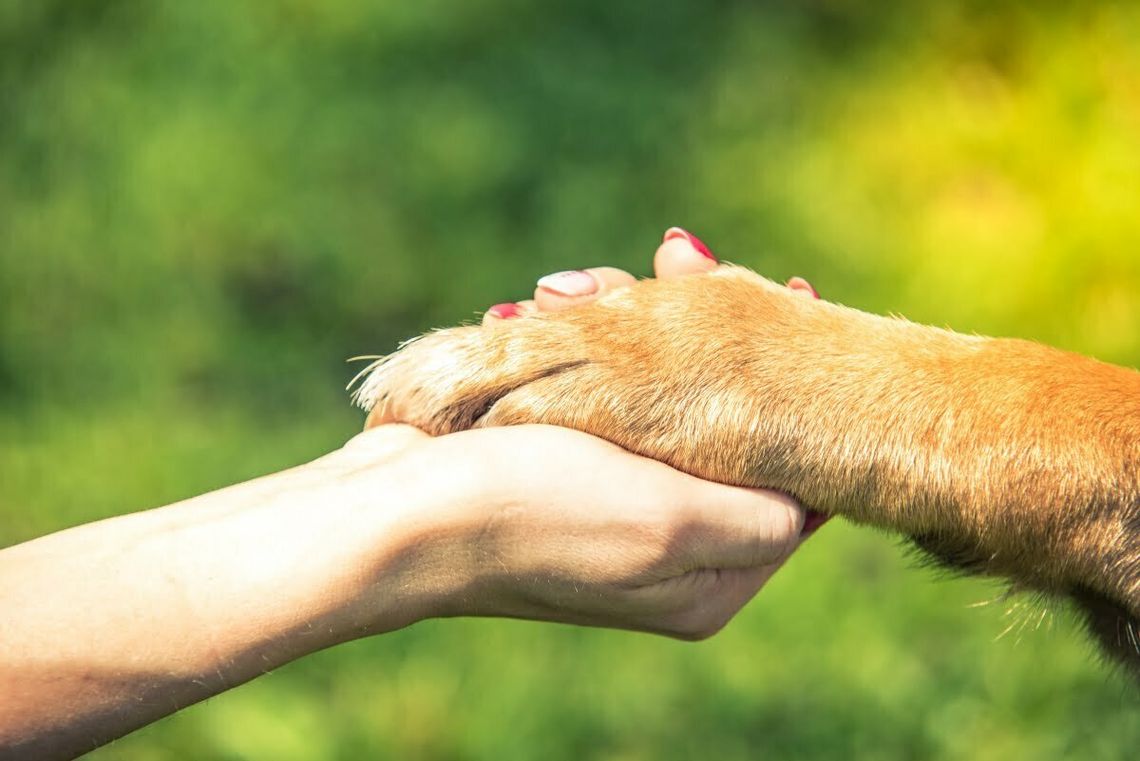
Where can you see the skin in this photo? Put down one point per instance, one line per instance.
(996, 456)
(109, 626)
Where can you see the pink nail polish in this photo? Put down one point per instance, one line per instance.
(570, 283)
(798, 283)
(505, 311)
(694, 241)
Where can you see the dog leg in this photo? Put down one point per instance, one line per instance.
(999, 456)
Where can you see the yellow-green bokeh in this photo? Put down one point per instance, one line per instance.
(205, 207)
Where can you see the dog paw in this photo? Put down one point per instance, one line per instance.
(979, 449)
(664, 368)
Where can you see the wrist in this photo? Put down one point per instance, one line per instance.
(302, 559)
(408, 553)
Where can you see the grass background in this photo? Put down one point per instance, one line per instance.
(206, 207)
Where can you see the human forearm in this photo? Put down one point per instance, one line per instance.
(107, 627)
(111, 625)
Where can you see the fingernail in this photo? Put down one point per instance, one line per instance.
(812, 522)
(505, 311)
(694, 241)
(570, 283)
(799, 282)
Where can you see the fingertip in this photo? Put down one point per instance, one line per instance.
(504, 311)
(682, 253)
(679, 233)
(568, 284)
(509, 311)
(564, 290)
(799, 285)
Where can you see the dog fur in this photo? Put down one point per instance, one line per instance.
(997, 456)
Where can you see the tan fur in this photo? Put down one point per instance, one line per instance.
(998, 456)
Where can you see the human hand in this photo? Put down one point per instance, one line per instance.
(113, 624)
(547, 523)
(736, 379)
(680, 253)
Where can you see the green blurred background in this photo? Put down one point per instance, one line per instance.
(205, 207)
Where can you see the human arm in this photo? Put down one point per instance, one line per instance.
(996, 456)
(112, 625)
(109, 626)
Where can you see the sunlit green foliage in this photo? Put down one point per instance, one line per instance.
(205, 207)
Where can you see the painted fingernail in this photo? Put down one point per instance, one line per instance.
(798, 283)
(694, 241)
(505, 311)
(812, 522)
(570, 283)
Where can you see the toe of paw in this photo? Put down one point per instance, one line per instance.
(449, 380)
